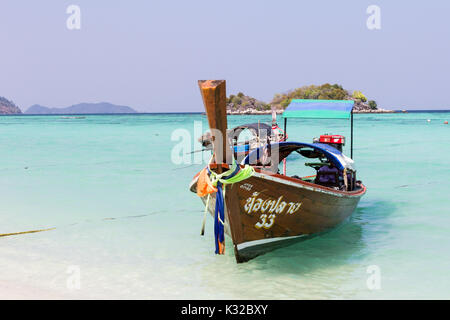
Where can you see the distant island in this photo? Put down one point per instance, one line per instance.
(81, 108)
(236, 104)
(8, 107)
(242, 104)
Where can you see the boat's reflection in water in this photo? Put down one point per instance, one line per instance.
(347, 243)
(330, 266)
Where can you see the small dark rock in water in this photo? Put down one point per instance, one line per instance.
(26, 168)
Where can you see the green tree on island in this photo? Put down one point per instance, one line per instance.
(359, 96)
(322, 92)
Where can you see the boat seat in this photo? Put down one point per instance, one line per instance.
(327, 176)
(316, 165)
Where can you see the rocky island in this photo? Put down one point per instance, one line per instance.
(8, 107)
(81, 108)
(242, 104)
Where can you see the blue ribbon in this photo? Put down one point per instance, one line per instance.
(219, 229)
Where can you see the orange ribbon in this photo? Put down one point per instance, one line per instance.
(204, 184)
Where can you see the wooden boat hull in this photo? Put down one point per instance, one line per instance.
(269, 211)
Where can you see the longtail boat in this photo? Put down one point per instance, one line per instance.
(258, 207)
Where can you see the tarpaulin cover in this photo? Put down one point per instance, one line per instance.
(319, 109)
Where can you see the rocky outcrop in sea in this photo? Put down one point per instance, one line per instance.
(8, 107)
(363, 107)
(242, 104)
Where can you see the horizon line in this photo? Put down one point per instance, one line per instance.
(201, 112)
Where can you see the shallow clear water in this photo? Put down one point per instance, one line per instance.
(123, 213)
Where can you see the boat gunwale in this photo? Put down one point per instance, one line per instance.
(289, 181)
(265, 174)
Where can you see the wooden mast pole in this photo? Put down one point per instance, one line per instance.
(215, 101)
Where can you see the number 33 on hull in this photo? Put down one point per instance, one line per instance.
(261, 209)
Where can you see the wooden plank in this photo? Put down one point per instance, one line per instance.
(215, 101)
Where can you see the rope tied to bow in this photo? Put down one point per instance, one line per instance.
(211, 182)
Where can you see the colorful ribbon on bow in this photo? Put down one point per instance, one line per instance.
(210, 182)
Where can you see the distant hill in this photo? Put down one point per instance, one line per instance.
(8, 107)
(81, 108)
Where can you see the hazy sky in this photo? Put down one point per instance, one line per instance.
(149, 54)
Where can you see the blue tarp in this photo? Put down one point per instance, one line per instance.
(319, 109)
(336, 157)
(241, 148)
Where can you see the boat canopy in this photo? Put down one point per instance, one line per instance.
(255, 128)
(319, 109)
(309, 150)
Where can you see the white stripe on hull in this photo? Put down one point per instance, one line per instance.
(265, 241)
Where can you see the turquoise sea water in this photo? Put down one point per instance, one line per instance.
(123, 213)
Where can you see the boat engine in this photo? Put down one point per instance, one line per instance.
(334, 140)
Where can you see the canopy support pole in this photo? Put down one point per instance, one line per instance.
(284, 160)
(351, 135)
